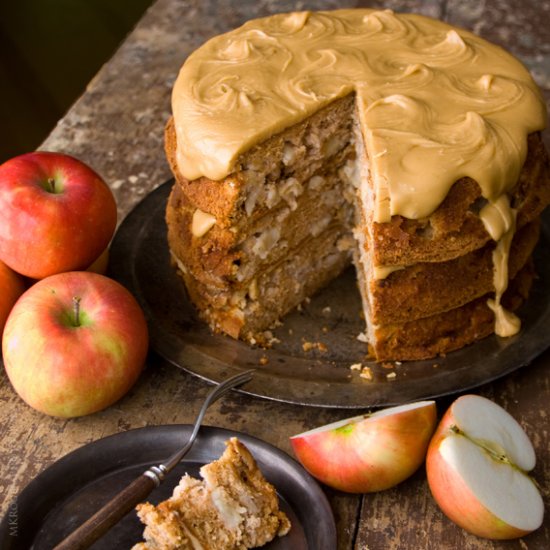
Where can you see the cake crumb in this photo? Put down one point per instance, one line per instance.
(325, 330)
(362, 337)
(356, 366)
(269, 339)
(308, 346)
(264, 339)
(366, 373)
(264, 360)
(388, 365)
(391, 375)
(326, 311)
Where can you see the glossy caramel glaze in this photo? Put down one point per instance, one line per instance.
(436, 103)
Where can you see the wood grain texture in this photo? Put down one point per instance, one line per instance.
(117, 127)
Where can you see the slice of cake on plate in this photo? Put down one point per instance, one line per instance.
(232, 507)
(303, 142)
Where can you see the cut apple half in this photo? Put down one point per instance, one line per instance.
(370, 452)
(477, 468)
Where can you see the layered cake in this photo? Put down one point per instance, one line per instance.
(232, 508)
(303, 142)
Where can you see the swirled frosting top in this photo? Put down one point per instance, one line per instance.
(435, 103)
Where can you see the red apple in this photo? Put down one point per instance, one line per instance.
(100, 264)
(371, 452)
(57, 214)
(74, 343)
(477, 466)
(11, 287)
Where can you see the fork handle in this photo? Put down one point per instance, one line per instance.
(105, 518)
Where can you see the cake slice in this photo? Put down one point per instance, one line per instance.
(232, 507)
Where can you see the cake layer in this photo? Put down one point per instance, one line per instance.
(455, 228)
(246, 311)
(430, 288)
(445, 332)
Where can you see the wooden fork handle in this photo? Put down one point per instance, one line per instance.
(105, 518)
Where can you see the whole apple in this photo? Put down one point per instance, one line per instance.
(477, 466)
(368, 453)
(74, 343)
(57, 214)
(100, 264)
(11, 287)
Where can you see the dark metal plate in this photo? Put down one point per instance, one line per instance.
(72, 489)
(140, 260)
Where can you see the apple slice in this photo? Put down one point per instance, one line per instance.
(476, 465)
(371, 452)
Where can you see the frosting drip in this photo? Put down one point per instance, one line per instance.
(435, 103)
(499, 220)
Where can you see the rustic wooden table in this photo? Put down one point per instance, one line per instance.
(117, 127)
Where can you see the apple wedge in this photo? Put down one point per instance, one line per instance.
(371, 452)
(477, 466)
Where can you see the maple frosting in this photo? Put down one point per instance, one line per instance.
(435, 103)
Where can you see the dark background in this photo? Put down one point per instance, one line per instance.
(49, 51)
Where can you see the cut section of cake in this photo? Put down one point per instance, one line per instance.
(303, 142)
(233, 507)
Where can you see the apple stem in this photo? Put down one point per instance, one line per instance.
(76, 310)
(51, 183)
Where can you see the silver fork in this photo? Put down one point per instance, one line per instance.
(108, 516)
